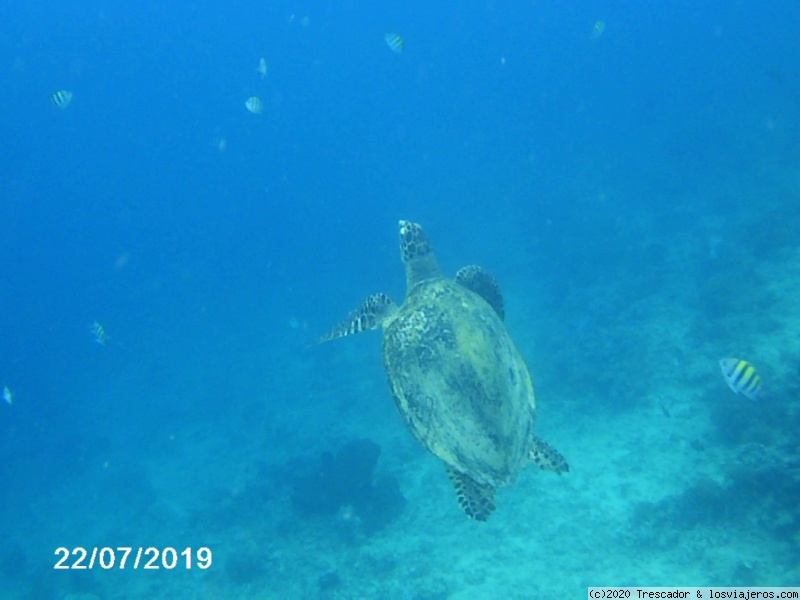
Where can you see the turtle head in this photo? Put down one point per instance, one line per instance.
(414, 243)
(417, 254)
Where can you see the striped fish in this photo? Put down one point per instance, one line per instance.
(395, 41)
(742, 378)
(598, 29)
(61, 99)
(99, 333)
(254, 105)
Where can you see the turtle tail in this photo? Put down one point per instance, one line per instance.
(370, 315)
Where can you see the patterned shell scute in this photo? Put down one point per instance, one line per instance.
(460, 383)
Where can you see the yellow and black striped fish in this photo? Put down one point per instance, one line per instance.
(742, 378)
(254, 105)
(395, 41)
(99, 333)
(61, 99)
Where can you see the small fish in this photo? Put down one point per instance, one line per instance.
(395, 42)
(262, 68)
(305, 21)
(8, 396)
(742, 378)
(254, 105)
(598, 29)
(61, 99)
(99, 333)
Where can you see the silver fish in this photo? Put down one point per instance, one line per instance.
(262, 68)
(8, 396)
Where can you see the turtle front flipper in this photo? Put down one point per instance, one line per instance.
(477, 500)
(477, 280)
(370, 315)
(547, 458)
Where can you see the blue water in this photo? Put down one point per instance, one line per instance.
(635, 194)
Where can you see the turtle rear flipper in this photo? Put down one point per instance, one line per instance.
(370, 315)
(547, 458)
(477, 500)
(478, 280)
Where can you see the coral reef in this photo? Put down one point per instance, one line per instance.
(344, 485)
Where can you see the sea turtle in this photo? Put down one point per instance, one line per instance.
(456, 376)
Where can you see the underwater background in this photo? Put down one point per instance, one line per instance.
(630, 174)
